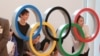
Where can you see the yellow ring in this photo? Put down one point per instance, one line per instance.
(30, 40)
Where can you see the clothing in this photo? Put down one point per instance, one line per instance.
(85, 54)
(86, 32)
(77, 43)
(43, 43)
(4, 34)
(21, 44)
(48, 41)
(16, 51)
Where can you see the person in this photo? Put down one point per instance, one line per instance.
(14, 51)
(4, 34)
(42, 46)
(36, 44)
(45, 44)
(77, 43)
(23, 27)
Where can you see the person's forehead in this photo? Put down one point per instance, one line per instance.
(81, 18)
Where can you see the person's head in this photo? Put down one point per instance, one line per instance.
(10, 32)
(24, 15)
(36, 40)
(80, 20)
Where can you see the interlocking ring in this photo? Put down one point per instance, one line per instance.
(62, 51)
(48, 25)
(49, 50)
(15, 19)
(97, 29)
(65, 13)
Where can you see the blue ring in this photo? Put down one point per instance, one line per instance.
(17, 13)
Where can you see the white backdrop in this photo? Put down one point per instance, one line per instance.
(97, 40)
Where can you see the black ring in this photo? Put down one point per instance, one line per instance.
(69, 19)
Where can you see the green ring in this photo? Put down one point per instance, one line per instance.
(60, 45)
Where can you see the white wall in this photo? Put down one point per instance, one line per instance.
(90, 22)
(94, 4)
(97, 40)
(7, 9)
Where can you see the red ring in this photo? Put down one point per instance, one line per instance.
(97, 19)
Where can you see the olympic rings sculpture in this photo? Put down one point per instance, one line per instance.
(55, 40)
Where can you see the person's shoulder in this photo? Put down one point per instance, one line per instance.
(3, 20)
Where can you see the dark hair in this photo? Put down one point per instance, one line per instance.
(38, 34)
(10, 29)
(78, 18)
(23, 12)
